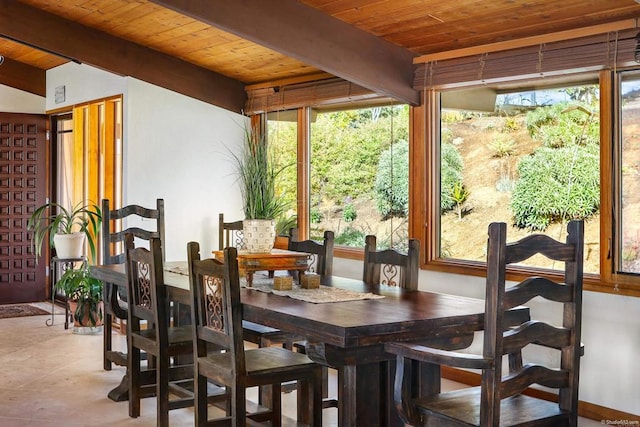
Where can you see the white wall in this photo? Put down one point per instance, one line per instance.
(82, 83)
(609, 374)
(175, 149)
(17, 101)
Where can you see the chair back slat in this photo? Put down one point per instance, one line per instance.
(390, 267)
(538, 244)
(230, 234)
(533, 374)
(113, 233)
(537, 286)
(216, 308)
(320, 254)
(533, 331)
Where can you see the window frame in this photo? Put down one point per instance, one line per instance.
(428, 211)
(303, 163)
(611, 281)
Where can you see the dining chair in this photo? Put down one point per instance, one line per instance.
(113, 236)
(230, 233)
(320, 253)
(149, 330)
(320, 262)
(500, 399)
(216, 313)
(391, 267)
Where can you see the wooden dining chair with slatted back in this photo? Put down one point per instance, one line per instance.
(217, 316)
(148, 305)
(500, 399)
(230, 235)
(390, 267)
(320, 262)
(320, 253)
(113, 235)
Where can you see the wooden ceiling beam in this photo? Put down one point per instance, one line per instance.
(24, 77)
(308, 35)
(69, 39)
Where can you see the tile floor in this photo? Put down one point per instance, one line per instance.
(52, 377)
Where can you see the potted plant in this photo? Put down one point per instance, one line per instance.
(66, 227)
(257, 174)
(84, 296)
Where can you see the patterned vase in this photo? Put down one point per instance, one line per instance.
(259, 235)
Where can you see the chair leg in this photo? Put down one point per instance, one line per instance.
(133, 370)
(316, 388)
(276, 405)
(162, 391)
(107, 339)
(325, 381)
(200, 400)
(309, 399)
(239, 405)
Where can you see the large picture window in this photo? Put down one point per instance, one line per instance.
(530, 158)
(359, 176)
(282, 130)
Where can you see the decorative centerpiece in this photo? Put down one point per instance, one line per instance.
(257, 175)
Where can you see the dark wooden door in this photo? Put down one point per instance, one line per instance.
(23, 183)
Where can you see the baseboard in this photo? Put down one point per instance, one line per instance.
(585, 409)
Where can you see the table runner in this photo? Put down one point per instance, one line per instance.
(324, 294)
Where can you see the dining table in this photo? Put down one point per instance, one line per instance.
(350, 335)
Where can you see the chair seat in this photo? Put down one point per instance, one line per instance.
(464, 405)
(261, 362)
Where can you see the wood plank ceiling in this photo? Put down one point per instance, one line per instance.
(231, 44)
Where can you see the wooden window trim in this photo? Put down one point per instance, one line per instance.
(618, 283)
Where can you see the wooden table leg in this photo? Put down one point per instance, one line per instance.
(249, 279)
(121, 392)
(347, 396)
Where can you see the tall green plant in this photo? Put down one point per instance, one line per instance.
(257, 175)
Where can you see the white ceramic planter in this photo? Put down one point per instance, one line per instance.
(69, 245)
(259, 235)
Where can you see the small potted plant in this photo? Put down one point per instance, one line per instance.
(84, 295)
(257, 174)
(66, 227)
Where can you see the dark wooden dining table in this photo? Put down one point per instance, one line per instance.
(350, 335)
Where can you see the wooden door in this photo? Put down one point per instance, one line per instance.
(23, 183)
